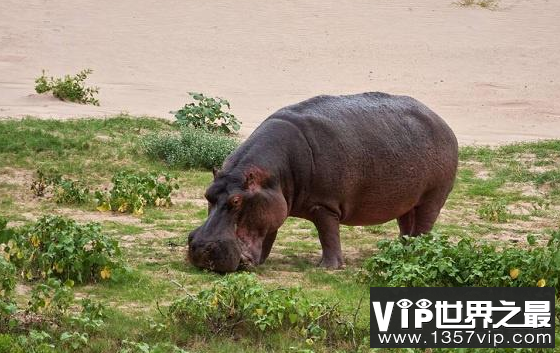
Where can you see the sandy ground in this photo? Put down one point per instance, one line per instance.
(493, 75)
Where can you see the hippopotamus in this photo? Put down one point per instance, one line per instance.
(361, 159)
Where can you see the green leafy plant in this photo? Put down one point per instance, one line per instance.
(92, 316)
(141, 347)
(239, 300)
(64, 191)
(9, 344)
(59, 247)
(7, 278)
(191, 148)
(434, 261)
(69, 88)
(74, 340)
(34, 342)
(52, 298)
(207, 113)
(68, 191)
(7, 284)
(494, 211)
(132, 192)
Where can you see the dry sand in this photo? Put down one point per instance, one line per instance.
(493, 75)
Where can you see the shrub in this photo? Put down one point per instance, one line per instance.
(207, 113)
(59, 247)
(40, 184)
(141, 347)
(7, 278)
(433, 261)
(7, 285)
(91, 317)
(32, 343)
(69, 88)
(64, 191)
(74, 340)
(191, 148)
(132, 192)
(9, 345)
(68, 191)
(239, 300)
(51, 298)
(494, 211)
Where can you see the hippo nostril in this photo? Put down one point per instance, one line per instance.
(191, 236)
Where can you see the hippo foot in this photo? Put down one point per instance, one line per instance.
(331, 263)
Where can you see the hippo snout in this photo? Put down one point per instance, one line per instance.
(219, 255)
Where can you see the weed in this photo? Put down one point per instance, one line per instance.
(59, 247)
(7, 285)
(74, 340)
(494, 211)
(68, 191)
(434, 261)
(191, 148)
(69, 88)
(52, 298)
(64, 191)
(141, 347)
(132, 192)
(207, 113)
(240, 300)
(40, 184)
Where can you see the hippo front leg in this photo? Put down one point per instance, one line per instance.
(327, 223)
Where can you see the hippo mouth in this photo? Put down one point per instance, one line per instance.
(246, 261)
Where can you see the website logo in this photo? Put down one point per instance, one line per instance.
(461, 317)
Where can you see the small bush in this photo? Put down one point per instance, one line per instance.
(68, 191)
(58, 247)
(207, 113)
(69, 88)
(141, 347)
(239, 300)
(40, 184)
(494, 211)
(192, 148)
(52, 298)
(132, 192)
(7, 278)
(32, 343)
(64, 191)
(7, 284)
(433, 261)
(9, 345)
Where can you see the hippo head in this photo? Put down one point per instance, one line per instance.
(245, 209)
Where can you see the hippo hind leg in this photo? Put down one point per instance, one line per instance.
(406, 223)
(420, 219)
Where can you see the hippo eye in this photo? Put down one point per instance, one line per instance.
(235, 201)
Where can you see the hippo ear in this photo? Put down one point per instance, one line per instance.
(215, 171)
(255, 178)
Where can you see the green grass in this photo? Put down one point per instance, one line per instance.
(87, 149)
(524, 178)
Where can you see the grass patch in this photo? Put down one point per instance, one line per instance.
(190, 148)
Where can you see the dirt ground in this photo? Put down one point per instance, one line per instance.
(493, 75)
